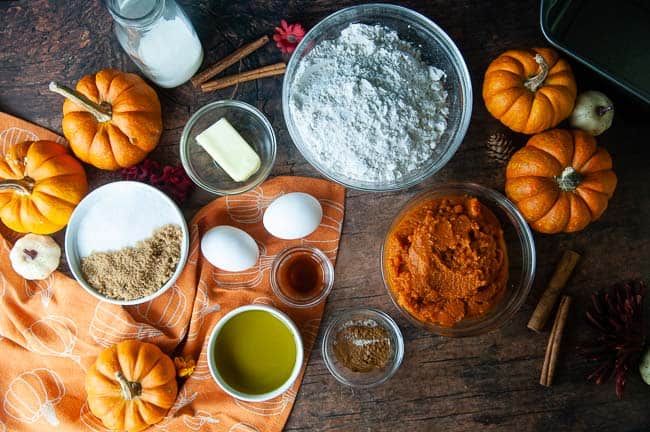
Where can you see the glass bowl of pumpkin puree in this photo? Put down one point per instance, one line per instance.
(458, 260)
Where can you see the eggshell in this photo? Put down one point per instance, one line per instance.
(293, 216)
(229, 248)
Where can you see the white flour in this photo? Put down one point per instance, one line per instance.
(367, 106)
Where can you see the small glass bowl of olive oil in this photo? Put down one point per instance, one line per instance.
(255, 353)
(302, 276)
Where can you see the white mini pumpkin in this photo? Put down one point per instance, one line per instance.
(35, 257)
(593, 113)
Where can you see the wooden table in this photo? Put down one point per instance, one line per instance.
(488, 382)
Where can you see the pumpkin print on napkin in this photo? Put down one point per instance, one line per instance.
(52, 331)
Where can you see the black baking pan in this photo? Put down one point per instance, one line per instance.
(610, 37)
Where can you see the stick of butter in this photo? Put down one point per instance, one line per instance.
(229, 150)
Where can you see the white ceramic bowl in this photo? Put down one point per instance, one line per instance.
(296, 367)
(153, 210)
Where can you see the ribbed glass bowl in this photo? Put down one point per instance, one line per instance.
(521, 259)
(437, 50)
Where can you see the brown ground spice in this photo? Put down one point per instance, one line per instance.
(363, 346)
(138, 271)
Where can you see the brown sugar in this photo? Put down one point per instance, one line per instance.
(135, 272)
(363, 346)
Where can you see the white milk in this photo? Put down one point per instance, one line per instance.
(166, 49)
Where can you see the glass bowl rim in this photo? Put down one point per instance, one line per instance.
(385, 320)
(328, 274)
(526, 241)
(456, 58)
(228, 103)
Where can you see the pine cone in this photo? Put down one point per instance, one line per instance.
(499, 148)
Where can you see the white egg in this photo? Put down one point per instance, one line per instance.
(293, 216)
(229, 248)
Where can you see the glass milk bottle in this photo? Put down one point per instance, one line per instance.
(159, 38)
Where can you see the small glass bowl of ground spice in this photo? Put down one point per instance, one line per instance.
(363, 347)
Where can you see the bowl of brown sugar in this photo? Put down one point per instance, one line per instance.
(363, 347)
(126, 243)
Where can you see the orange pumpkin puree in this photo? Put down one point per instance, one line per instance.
(446, 260)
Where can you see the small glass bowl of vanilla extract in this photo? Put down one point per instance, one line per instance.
(302, 276)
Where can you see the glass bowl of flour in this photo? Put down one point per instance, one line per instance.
(377, 97)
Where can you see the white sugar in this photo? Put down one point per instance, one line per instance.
(123, 216)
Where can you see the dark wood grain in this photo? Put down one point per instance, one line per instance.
(481, 383)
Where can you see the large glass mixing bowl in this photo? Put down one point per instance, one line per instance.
(437, 49)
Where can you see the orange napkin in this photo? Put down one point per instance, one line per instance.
(52, 330)
(14, 130)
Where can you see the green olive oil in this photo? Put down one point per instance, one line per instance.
(255, 352)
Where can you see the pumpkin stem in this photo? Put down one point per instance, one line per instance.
(23, 186)
(130, 389)
(602, 110)
(569, 179)
(102, 112)
(30, 253)
(535, 82)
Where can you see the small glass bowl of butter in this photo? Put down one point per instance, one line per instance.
(228, 147)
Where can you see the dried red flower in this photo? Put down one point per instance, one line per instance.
(617, 316)
(168, 178)
(288, 36)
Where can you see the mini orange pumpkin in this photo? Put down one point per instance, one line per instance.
(560, 180)
(113, 119)
(131, 386)
(40, 185)
(529, 90)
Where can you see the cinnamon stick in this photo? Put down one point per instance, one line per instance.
(547, 302)
(229, 60)
(547, 354)
(263, 72)
(554, 341)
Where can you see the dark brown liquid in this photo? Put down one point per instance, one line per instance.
(300, 277)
